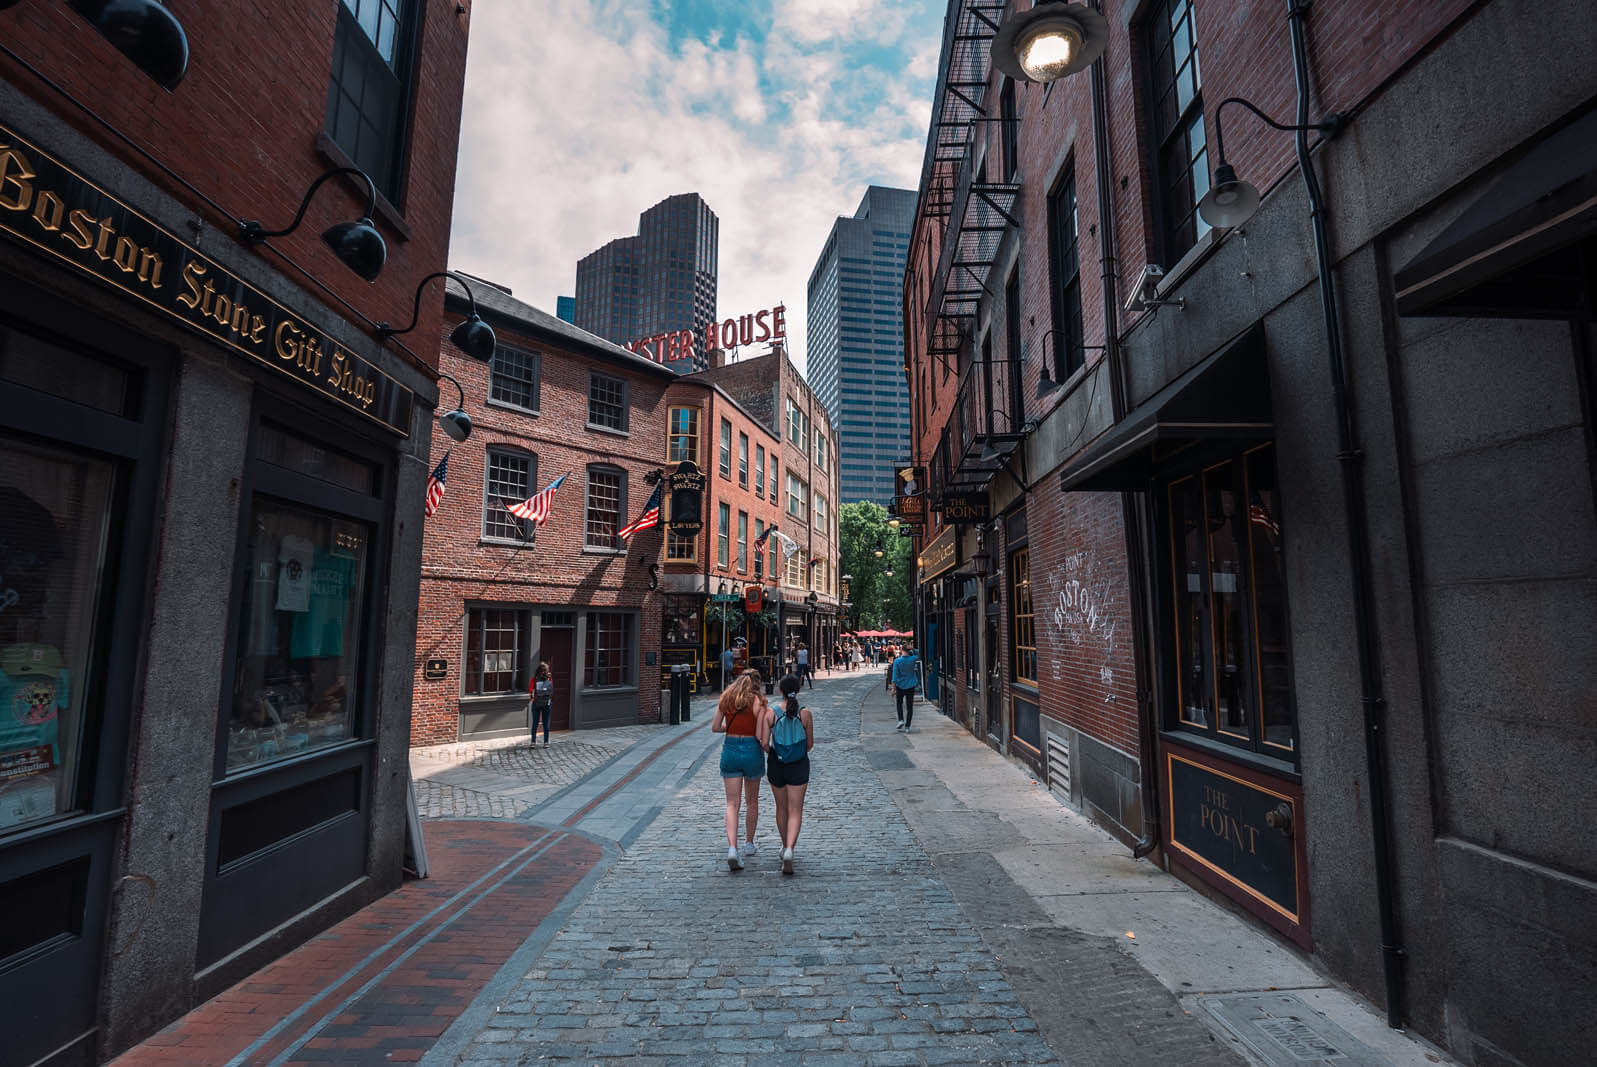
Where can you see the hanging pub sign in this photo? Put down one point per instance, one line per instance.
(753, 595)
(687, 498)
(1241, 832)
(940, 555)
(48, 206)
(909, 495)
(965, 508)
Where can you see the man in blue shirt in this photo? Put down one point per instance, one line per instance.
(728, 663)
(903, 676)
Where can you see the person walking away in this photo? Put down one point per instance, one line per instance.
(542, 691)
(787, 764)
(728, 665)
(740, 715)
(903, 678)
(804, 665)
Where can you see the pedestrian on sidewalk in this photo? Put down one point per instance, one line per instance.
(804, 665)
(728, 665)
(740, 714)
(542, 690)
(787, 764)
(903, 677)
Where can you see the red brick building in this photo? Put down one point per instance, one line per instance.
(498, 595)
(211, 468)
(1276, 506)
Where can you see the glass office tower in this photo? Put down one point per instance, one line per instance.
(855, 340)
(660, 280)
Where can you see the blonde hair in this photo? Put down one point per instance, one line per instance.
(741, 694)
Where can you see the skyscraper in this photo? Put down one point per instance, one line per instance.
(659, 281)
(855, 340)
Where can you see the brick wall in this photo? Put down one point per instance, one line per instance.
(243, 124)
(460, 568)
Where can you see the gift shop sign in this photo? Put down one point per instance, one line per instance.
(52, 208)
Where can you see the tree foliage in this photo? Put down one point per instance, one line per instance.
(879, 602)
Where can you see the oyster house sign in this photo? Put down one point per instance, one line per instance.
(45, 204)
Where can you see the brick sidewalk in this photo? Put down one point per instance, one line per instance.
(381, 986)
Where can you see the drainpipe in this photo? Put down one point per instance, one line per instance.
(1352, 458)
(1130, 513)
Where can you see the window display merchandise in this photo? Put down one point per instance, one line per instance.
(299, 647)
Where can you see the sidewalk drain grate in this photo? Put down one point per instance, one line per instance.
(1283, 1031)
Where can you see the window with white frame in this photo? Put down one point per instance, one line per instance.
(743, 542)
(723, 534)
(514, 377)
(743, 460)
(607, 401)
(508, 477)
(798, 496)
(682, 436)
(498, 648)
(606, 501)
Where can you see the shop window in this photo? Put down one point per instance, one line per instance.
(1181, 162)
(607, 498)
(1022, 621)
(682, 436)
(607, 660)
(59, 371)
(515, 377)
(291, 452)
(607, 402)
(299, 645)
(498, 651)
(368, 96)
(1233, 678)
(55, 520)
(681, 620)
(508, 477)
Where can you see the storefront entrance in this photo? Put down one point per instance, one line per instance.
(556, 639)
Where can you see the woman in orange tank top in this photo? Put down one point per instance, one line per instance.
(739, 716)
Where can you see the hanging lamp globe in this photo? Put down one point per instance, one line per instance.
(1053, 39)
(1229, 201)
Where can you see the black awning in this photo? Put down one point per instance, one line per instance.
(1226, 395)
(1515, 251)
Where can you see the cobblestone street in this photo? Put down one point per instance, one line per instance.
(500, 779)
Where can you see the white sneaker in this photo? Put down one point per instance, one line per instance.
(787, 861)
(900, 725)
(750, 848)
(734, 862)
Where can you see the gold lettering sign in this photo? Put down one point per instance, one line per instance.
(940, 555)
(46, 205)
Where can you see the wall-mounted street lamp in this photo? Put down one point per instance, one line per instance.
(357, 244)
(457, 424)
(473, 336)
(1052, 39)
(894, 521)
(143, 30)
(1231, 201)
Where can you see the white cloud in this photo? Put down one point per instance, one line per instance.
(579, 115)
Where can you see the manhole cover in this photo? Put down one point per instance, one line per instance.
(1285, 1032)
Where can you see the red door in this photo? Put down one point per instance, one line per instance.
(556, 652)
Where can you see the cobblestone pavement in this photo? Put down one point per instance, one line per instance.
(861, 958)
(503, 777)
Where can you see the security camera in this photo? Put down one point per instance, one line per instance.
(1145, 292)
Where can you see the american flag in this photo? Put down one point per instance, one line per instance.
(435, 486)
(649, 519)
(535, 508)
(1259, 515)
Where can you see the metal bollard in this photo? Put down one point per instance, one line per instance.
(685, 680)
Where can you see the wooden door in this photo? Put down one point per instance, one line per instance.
(556, 651)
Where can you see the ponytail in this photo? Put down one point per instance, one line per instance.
(792, 706)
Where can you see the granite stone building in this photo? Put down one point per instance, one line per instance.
(1265, 522)
(212, 470)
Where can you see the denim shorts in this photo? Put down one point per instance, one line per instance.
(741, 757)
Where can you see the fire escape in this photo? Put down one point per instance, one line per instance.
(986, 426)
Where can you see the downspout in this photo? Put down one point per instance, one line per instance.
(1130, 515)
(1352, 458)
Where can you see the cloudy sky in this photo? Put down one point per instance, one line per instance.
(581, 114)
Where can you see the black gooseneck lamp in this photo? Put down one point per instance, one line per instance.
(143, 30)
(457, 424)
(1231, 201)
(473, 337)
(357, 244)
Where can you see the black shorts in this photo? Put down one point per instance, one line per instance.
(786, 774)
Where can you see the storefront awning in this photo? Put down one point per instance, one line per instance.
(1515, 252)
(1227, 394)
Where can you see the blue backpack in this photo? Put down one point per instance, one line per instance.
(789, 741)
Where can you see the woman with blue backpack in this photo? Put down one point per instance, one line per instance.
(787, 764)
